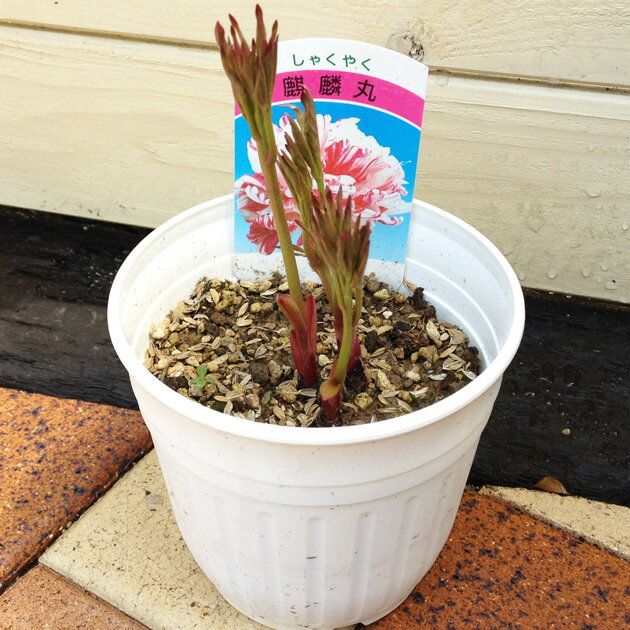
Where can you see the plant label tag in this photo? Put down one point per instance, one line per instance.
(369, 103)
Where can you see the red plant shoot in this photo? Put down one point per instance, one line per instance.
(251, 69)
(334, 241)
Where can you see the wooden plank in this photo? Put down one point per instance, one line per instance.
(55, 274)
(135, 132)
(567, 40)
(56, 271)
(543, 172)
(114, 129)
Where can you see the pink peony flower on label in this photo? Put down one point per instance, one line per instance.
(262, 233)
(357, 162)
(252, 196)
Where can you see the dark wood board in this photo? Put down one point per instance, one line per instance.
(572, 370)
(55, 275)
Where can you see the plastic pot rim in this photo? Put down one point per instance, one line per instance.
(305, 436)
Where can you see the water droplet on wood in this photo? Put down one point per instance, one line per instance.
(593, 192)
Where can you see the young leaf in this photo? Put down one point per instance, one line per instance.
(202, 380)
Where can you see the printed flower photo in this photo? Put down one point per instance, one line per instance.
(362, 155)
(356, 162)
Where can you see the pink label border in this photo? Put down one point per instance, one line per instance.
(353, 88)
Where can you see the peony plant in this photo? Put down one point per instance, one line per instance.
(335, 237)
(252, 73)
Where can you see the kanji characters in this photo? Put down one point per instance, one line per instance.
(365, 88)
(330, 84)
(293, 86)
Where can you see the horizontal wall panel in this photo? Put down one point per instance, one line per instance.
(114, 129)
(543, 172)
(566, 40)
(135, 132)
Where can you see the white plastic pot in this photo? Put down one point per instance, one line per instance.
(317, 527)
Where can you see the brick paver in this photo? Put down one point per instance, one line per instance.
(44, 600)
(502, 569)
(56, 457)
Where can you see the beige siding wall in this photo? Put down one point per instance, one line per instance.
(119, 110)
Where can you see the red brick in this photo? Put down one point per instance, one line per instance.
(56, 457)
(501, 569)
(44, 599)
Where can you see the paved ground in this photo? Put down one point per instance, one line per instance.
(123, 565)
(57, 457)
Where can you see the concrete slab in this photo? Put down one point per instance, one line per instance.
(602, 524)
(56, 457)
(42, 599)
(127, 550)
(499, 568)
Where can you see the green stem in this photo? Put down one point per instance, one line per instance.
(268, 154)
(345, 349)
